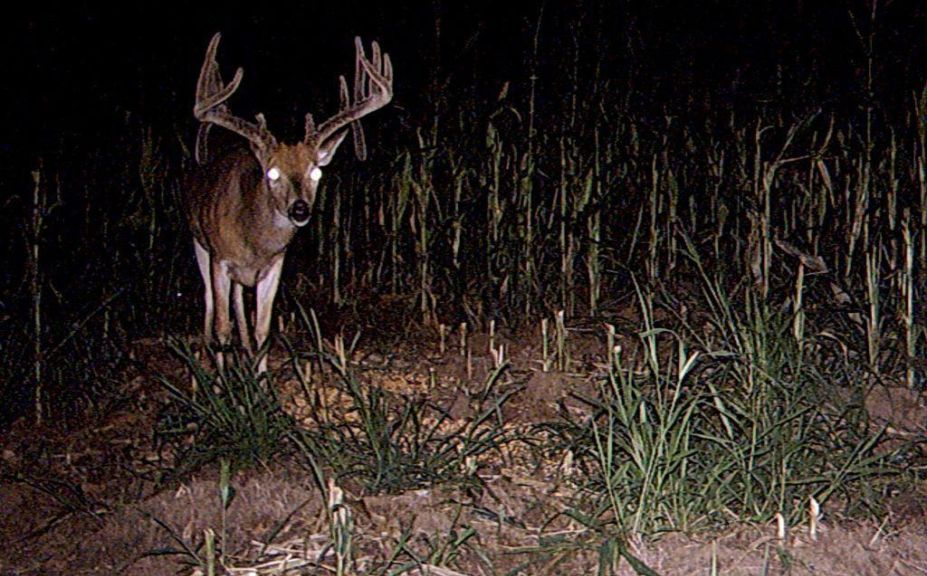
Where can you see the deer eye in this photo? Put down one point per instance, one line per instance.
(273, 174)
(315, 174)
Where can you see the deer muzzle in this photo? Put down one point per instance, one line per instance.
(299, 212)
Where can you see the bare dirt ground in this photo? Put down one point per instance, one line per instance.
(88, 498)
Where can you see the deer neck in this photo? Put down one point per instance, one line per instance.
(263, 229)
(269, 229)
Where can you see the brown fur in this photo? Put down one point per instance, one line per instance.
(245, 205)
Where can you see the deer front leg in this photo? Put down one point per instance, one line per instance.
(221, 286)
(241, 319)
(266, 291)
(202, 262)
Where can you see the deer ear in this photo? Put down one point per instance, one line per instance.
(327, 149)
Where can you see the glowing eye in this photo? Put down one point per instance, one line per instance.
(315, 174)
(273, 174)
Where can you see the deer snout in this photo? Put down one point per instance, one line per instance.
(299, 212)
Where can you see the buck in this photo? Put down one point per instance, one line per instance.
(245, 204)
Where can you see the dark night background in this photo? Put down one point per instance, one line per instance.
(76, 72)
(84, 86)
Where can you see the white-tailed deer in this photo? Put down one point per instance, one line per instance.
(245, 204)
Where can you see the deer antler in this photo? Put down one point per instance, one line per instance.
(373, 89)
(242, 225)
(210, 108)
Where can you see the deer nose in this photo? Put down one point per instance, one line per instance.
(299, 212)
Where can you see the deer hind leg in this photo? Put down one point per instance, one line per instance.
(221, 288)
(203, 262)
(266, 291)
(241, 319)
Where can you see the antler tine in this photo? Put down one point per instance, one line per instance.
(375, 89)
(343, 96)
(209, 74)
(360, 87)
(210, 108)
(382, 63)
(310, 124)
(215, 93)
(376, 57)
(209, 82)
(201, 151)
(210, 90)
(359, 77)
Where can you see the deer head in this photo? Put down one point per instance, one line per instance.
(245, 204)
